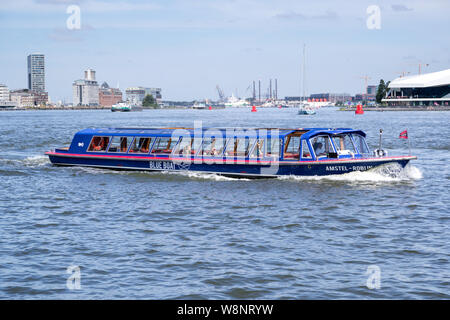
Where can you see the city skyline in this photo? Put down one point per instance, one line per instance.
(187, 48)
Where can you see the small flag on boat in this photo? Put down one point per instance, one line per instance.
(403, 135)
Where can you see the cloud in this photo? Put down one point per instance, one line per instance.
(400, 8)
(89, 6)
(66, 35)
(328, 15)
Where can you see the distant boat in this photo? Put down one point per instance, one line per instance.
(125, 107)
(234, 102)
(199, 105)
(305, 110)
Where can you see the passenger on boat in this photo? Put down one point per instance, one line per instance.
(123, 145)
(99, 144)
(318, 148)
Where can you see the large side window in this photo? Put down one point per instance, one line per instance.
(258, 150)
(99, 143)
(120, 144)
(212, 146)
(141, 145)
(306, 153)
(273, 148)
(164, 145)
(322, 145)
(239, 147)
(196, 145)
(184, 148)
(292, 148)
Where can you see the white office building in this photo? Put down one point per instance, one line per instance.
(86, 92)
(4, 93)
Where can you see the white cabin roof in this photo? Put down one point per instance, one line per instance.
(432, 79)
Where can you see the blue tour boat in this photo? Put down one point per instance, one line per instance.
(235, 152)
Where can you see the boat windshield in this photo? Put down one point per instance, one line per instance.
(344, 144)
(361, 144)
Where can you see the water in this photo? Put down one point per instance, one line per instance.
(171, 235)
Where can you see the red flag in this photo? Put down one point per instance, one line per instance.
(403, 135)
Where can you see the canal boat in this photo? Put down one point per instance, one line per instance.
(125, 107)
(234, 152)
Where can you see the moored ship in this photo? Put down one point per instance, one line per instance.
(235, 152)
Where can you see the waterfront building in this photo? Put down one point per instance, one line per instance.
(86, 92)
(4, 93)
(109, 96)
(332, 97)
(430, 89)
(36, 72)
(136, 95)
(23, 98)
(372, 90)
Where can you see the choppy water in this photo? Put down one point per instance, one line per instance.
(171, 236)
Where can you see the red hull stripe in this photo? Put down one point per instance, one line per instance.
(51, 153)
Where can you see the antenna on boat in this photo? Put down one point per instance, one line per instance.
(380, 152)
(381, 133)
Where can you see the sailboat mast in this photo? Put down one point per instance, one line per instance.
(304, 71)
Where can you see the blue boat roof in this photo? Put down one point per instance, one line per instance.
(236, 131)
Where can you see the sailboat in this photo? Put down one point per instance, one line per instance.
(304, 108)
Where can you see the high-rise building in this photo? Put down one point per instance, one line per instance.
(86, 92)
(36, 72)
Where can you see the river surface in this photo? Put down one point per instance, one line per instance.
(138, 235)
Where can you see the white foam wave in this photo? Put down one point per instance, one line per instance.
(36, 161)
(388, 173)
(206, 176)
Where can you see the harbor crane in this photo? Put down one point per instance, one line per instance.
(221, 94)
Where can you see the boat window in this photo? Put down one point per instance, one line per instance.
(344, 143)
(120, 144)
(258, 150)
(184, 148)
(196, 145)
(164, 145)
(306, 153)
(212, 146)
(99, 143)
(292, 150)
(141, 145)
(273, 148)
(322, 145)
(239, 147)
(361, 144)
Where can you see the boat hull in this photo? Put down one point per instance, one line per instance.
(234, 168)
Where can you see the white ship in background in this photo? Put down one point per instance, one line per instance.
(234, 102)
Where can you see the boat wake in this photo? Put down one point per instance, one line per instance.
(383, 174)
(162, 174)
(36, 161)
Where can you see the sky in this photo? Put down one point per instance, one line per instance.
(188, 47)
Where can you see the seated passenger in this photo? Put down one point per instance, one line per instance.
(318, 148)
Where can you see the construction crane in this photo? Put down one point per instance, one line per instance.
(422, 64)
(366, 78)
(404, 73)
(221, 94)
